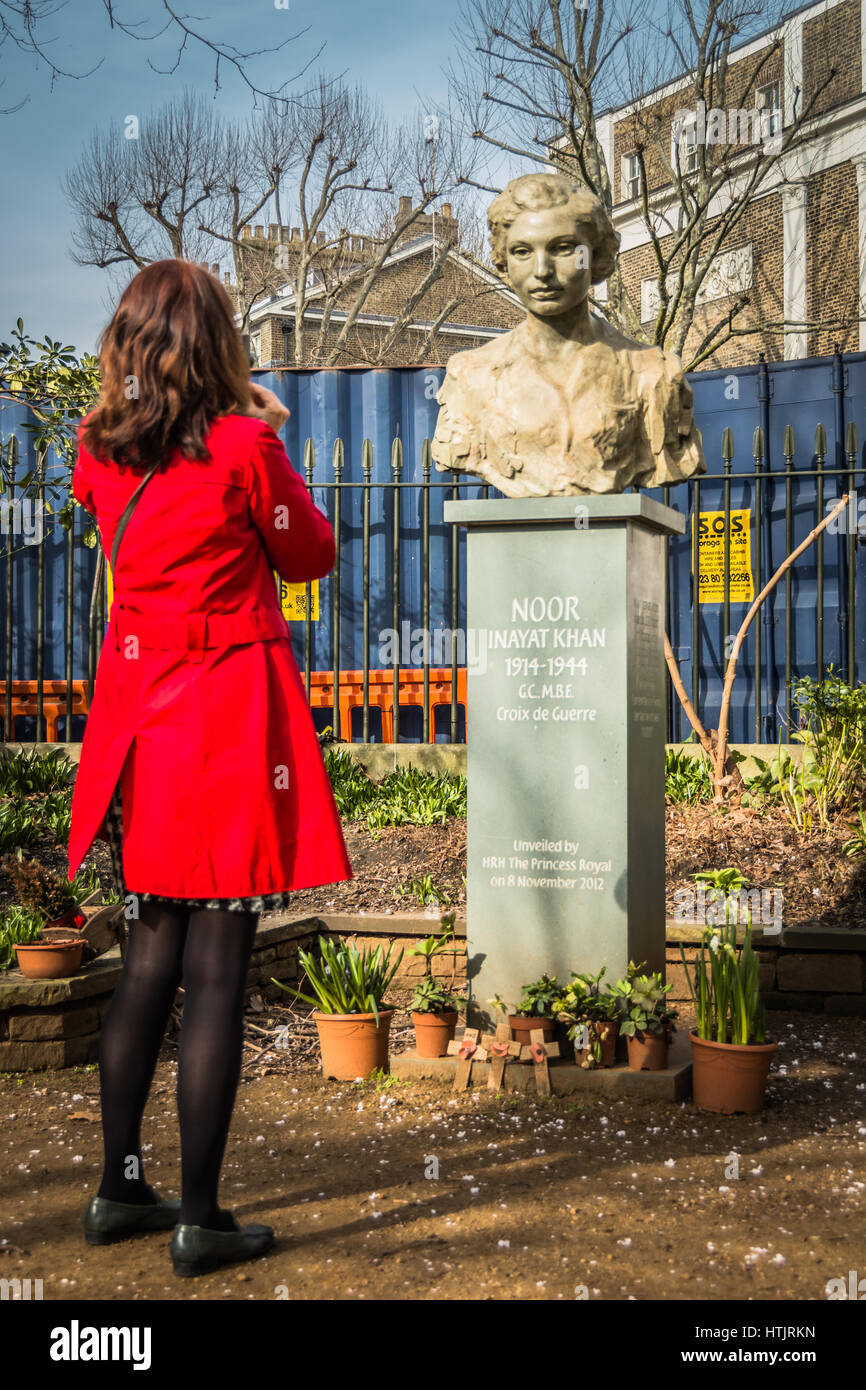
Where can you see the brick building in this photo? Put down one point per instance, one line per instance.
(463, 306)
(799, 252)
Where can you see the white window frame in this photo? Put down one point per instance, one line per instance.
(631, 182)
(686, 147)
(773, 90)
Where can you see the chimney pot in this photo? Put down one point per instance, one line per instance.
(259, 231)
(446, 210)
(296, 234)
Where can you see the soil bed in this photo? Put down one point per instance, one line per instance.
(820, 884)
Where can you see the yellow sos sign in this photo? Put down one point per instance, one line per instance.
(708, 556)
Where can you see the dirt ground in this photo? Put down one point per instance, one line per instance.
(533, 1200)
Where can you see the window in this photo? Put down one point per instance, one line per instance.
(631, 175)
(256, 348)
(689, 149)
(769, 102)
(684, 147)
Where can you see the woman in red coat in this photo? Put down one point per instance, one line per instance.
(200, 762)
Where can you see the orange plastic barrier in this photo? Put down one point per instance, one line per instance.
(381, 694)
(53, 703)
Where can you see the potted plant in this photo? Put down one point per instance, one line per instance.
(434, 1013)
(593, 1013)
(57, 945)
(433, 1005)
(537, 1009)
(730, 1053)
(648, 1024)
(349, 988)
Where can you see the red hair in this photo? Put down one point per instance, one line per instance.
(172, 359)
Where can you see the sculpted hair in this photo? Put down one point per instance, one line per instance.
(172, 359)
(530, 193)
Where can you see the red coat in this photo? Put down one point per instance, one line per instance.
(198, 703)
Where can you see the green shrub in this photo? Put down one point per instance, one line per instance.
(687, 780)
(406, 797)
(23, 773)
(17, 927)
(18, 825)
(345, 980)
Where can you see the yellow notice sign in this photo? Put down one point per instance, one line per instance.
(710, 552)
(293, 601)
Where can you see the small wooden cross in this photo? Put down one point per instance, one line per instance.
(501, 1048)
(469, 1050)
(538, 1052)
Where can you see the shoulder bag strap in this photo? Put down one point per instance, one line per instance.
(127, 513)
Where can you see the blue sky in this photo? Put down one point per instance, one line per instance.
(399, 48)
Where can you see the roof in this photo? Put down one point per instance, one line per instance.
(283, 299)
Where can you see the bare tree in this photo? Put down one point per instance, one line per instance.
(140, 199)
(537, 77)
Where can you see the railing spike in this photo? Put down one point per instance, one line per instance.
(851, 438)
(758, 442)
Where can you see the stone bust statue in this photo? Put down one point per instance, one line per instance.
(564, 403)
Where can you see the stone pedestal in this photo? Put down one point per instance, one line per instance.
(565, 737)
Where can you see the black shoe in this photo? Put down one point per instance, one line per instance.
(200, 1250)
(107, 1221)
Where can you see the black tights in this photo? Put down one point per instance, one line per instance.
(210, 951)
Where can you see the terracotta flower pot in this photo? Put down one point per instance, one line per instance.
(648, 1051)
(608, 1031)
(728, 1078)
(50, 960)
(522, 1025)
(352, 1045)
(433, 1032)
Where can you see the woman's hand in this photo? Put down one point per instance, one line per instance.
(264, 405)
